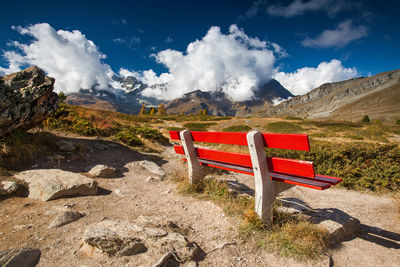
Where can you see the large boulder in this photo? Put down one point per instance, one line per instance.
(51, 184)
(26, 99)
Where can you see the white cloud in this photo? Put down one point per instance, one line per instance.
(148, 77)
(304, 80)
(233, 62)
(339, 37)
(300, 7)
(168, 40)
(68, 56)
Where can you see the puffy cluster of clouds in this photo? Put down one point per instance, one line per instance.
(305, 79)
(339, 37)
(233, 62)
(68, 56)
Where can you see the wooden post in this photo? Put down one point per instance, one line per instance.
(265, 192)
(196, 173)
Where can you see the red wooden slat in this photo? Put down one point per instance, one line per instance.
(291, 166)
(310, 183)
(287, 141)
(174, 135)
(288, 166)
(271, 140)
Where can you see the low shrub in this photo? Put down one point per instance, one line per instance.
(128, 137)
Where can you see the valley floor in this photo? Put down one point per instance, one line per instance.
(24, 222)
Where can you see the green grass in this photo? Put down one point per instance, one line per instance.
(237, 128)
(198, 126)
(283, 127)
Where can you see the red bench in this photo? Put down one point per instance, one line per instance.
(268, 171)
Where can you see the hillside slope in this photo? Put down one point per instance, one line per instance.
(349, 99)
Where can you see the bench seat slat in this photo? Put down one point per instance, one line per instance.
(311, 183)
(289, 166)
(228, 167)
(328, 179)
(271, 140)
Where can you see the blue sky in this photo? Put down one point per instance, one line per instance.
(363, 36)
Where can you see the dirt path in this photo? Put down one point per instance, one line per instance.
(24, 222)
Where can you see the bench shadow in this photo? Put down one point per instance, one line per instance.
(240, 187)
(369, 233)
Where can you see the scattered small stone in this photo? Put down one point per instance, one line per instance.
(23, 257)
(23, 226)
(66, 217)
(154, 179)
(102, 171)
(65, 146)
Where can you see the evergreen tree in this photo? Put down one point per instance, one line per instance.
(161, 109)
(152, 111)
(366, 119)
(142, 110)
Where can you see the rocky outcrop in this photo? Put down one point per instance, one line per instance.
(51, 184)
(154, 236)
(26, 99)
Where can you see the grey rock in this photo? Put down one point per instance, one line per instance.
(339, 225)
(26, 99)
(24, 257)
(103, 171)
(66, 217)
(152, 167)
(8, 188)
(66, 146)
(51, 184)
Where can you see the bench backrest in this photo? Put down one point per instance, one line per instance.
(242, 160)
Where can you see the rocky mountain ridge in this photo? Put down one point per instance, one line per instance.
(325, 100)
(130, 100)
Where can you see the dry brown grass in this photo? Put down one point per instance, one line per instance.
(288, 236)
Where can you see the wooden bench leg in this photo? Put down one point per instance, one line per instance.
(196, 173)
(265, 192)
